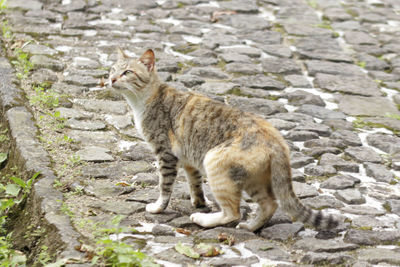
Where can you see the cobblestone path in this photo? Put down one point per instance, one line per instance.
(325, 73)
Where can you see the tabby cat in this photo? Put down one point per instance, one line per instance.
(235, 150)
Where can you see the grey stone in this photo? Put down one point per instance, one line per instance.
(190, 80)
(390, 123)
(233, 261)
(365, 222)
(37, 49)
(321, 43)
(162, 230)
(340, 182)
(319, 245)
(210, 73)
(25, 5)
(363, 154)
(363, 210)
(373, 63)
(104, 106)
(393, 205)
(240, 235)
(282, 232)
(81, 80)
(298, 136)
(320, 112)
(171, 255)
(256, 105)
(246, 22)
(164, 217)
(344, 84)
(301, 29)
(239, 6)
(92, 137)
(338, 163)
(317, 66)
(85, 63)
(348, 138)
(317, 170)
(243, 68)
(322, 258)
(247, 51)
(260, 81)
(336, 14)
(350, 196)
(371, 237)
(330, 55)
(229, 57)
(387, 143)
(298, 160)
(145, 178)
(119, 121)
(68, 88)
(280, 66)
(316, 152)
(324, 142)
(380, 255)
(268, 250)
(303, 190)
(69, 113)
(336, 124)
(281, 124)
(119, 207)
(294, 117)
(85, 125)
(379, 172)
(359, 38)
(323, 202)
(94, 154)
(217, 87)
(300, 97)
(296, 80)
(367, 106)
(277, 50)
(320, 129)
(44, 76)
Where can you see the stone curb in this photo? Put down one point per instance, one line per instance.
(43, 205)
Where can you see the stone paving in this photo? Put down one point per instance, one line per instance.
(326, 73)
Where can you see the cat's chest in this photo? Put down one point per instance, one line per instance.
(138, 119)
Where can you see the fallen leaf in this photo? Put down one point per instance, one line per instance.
(102, 82)
(187, 251)
(183, 231)
(208, 250)
(228, 239)
(216, 14)
(123, 184)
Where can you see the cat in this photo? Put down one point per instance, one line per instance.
(235, 150)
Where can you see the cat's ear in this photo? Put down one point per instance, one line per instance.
(121, 54)
(148, 59)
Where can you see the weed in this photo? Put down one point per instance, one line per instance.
(22, 63)
(114, 252)
(6, 29)
(44, 256)
(75, 160)
(66, 210)
(362, 64)
(45, 98)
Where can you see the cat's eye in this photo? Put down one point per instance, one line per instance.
(127, 72)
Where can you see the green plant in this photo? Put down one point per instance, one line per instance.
(114, 252)
(6, 29)
(44, 256)
(9, 256)
(45, 98)
(22, 63)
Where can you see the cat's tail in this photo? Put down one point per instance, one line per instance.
(289, 202)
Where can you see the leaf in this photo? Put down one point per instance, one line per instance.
(183, 231)
(208, 250)
(18, 181)
(187, 251)
(13, 189)
(3, 157)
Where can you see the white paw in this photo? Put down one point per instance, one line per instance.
(154, 207)
(243, 226)
(197, 218)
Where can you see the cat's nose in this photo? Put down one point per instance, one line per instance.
(113, 80)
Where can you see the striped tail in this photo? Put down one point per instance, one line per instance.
(283, 189)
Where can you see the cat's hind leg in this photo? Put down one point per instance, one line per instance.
(265, 210)
(194, 179)
(226, 191)
(168, 170)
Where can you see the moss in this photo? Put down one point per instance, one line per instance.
(278, 28)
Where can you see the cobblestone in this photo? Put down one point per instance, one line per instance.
(310, 67)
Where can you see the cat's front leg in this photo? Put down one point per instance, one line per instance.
(194, 179)
(168, 169)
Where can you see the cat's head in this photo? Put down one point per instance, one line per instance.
(132, 74)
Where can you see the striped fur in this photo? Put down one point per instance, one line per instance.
(235, 150)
